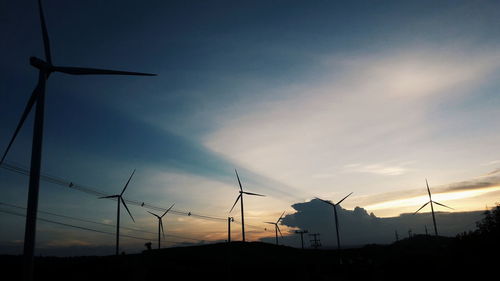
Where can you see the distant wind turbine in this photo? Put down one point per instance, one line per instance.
(240, 197)
(276, 227)
(38, 96)
(334, 205)
(432, 207)
(160, 224)
(119, 199)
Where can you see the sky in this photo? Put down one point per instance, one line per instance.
(305, 99)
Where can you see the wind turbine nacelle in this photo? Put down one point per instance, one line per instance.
(40, 64)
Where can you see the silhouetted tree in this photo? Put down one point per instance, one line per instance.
(490, 224)
(148, 246)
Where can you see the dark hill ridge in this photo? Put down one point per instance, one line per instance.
(418, 257)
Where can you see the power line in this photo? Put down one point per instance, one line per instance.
(92, 229)
(315, 241)
(98, 223)
(85, 228)
(96, 192)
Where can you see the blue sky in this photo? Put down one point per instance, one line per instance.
(316, 98)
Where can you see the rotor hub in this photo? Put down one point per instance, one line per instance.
(40, 64)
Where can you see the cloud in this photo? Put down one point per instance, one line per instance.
(378, 169)
(470, 185)
(493, 162)
(357, 227)
(370, 108)
(494, 172)
(403, 198)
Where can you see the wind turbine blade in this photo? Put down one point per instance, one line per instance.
(96, 71)
(327, 202)
(343, 198)
(277, 227)
(123, 201)
(110, 196)
(162, 231)
(422, 207)
(269, 222)
(237, 198)
(26, 111)
(250, 193)
(239, 182)
(168, 210)
(45, 34)
(280, 217)
(428, 189)
(127, 182)
(154, 214)
(442, 205)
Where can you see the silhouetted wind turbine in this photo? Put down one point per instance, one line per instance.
(119, 199)
(38, 96)
(240, 197)
(276, 227)
(432, 207)
(335, 213)
(160, 223)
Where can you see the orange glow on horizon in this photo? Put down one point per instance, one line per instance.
(418, 201)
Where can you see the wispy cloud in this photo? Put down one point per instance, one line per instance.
(493, 162)
(370, 108)
(379, 169)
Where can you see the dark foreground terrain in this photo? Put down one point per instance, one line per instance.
(417, 258)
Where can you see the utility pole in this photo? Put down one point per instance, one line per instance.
(301, 232)
(315, 242)
(229, 220)
(397, 236)
(426, 233)
(409, 233)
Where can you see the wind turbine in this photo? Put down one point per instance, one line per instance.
(240, 197)
(45, 68)
(119, 199)
(276, 227)
(160, 223)
(432, 207)
(335, 213)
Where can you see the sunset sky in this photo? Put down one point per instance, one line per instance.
(305, 98)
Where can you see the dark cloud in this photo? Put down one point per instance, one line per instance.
(358, 227)
(494, 172)
(489, 179)
(467, 185)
